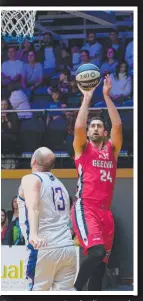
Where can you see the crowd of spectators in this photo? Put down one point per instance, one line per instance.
(27, 75)
(10, 229)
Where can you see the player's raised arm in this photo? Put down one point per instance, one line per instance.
(31, 188)
(116, 131)
(80, 137)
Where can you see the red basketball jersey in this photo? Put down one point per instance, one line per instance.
(96, 172)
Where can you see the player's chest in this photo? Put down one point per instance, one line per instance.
(100, 159)
(103, 154)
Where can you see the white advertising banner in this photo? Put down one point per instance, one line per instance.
(12, 267)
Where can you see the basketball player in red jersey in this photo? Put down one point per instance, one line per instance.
(96, 161)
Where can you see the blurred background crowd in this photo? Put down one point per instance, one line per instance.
(43, 77)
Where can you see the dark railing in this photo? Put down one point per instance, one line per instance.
(64, 109)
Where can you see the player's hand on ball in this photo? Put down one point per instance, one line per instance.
(87, 94)
(107, 85)
(37, 242)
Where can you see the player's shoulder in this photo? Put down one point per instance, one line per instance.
(109, 142)
(83, 153)
(108, 145)
(30, 177)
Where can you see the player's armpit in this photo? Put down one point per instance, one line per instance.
(80, 140)
(116, 139)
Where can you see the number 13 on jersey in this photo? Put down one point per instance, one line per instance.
(58, 199)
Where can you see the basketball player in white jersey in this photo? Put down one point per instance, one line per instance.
(44, 212)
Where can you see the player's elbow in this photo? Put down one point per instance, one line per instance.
(35, 208)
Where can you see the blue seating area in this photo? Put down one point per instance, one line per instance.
(128, 103)
(40, 101)
(41, 91)
(74, 101)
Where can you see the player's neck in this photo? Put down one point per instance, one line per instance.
(34, 170)
(97, 145)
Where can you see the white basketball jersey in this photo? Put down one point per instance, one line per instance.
(54, 212)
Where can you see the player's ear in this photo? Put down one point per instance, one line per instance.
(105, 133)
(33, 160)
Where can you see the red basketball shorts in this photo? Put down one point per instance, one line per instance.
(93, 225)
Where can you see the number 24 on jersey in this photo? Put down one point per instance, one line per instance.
(105, 176)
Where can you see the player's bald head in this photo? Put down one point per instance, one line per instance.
(44, 158)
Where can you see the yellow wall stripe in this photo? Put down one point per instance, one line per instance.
(60, 173)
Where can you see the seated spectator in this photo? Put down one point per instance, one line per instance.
(66, 60)
(4, 56)
(109, 66)
(64, 81)
(14, 232)
(13, 82)
(15, 236)
(33, 72)
(129, 56)
(50, 55)
(14, 213)
(84, 57)
(95, 49)
(55, 103)
(63, 84)
(9, 128)
(75, 59)
(12, 72)
(56, 123)
(73, 88)
(121, 83)
(70, 118)
(22, 54)
(20, 101)
(4, 227)
(116, 44)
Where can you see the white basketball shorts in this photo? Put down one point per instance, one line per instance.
(50, 269)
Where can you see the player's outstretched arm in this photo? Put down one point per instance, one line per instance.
(80, 138)
(116, 131)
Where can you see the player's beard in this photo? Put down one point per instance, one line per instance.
(97, 138)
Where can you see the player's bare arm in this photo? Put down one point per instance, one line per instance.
(31, 189)
(80, 136)
(116, 130)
